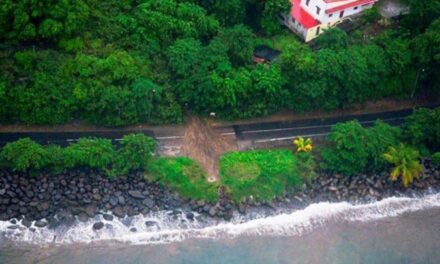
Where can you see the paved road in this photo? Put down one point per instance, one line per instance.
(248, 133)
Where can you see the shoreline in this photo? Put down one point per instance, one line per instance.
(54, 200)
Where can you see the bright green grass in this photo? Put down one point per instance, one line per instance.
(185, 176)
(279, 42)
(263, 175)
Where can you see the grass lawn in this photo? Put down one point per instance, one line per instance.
(279, 42)
(185, 176)
(263, 174)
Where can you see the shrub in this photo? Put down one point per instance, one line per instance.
(95, 153)
(346, 153)
(135, 153)
(353, 149)
(185, 176)
(436, 159)
(379, 138)
(25, 154)
(406, 163)
(306, 166)
(422, 129)
(262, 175)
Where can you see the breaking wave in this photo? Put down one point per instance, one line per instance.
(164, 227)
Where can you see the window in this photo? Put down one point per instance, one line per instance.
(356, 7)
(341, 14)
(330, 15)
(318, 10)
(318, 29)
(307, 2)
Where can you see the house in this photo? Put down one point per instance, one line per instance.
(309, 18)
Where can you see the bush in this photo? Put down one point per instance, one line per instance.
(436, 159)
(306, 166)
(135, 153)
(25, 154)
(262, 175)
(422, 129)
(346, 153)
(379, 138)
(94, 153)
(353, 149)
(185, 176)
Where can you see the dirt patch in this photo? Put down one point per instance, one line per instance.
(203, 144)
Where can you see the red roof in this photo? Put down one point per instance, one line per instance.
(342, 7)
(302, 16)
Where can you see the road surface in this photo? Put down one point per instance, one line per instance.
(246, 135)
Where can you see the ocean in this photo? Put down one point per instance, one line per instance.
(394, 230)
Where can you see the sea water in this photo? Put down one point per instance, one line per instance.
(394, 230)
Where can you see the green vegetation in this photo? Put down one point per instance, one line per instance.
(262, 175)
(185, 176)
(422, 129)
(134, 152)
(436, 159)
(353, 149)
(25, 154)
(116, 63)
(306, 166)
(406, 163)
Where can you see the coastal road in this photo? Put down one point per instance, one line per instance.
(246, 135)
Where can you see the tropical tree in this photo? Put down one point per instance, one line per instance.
(406, 163)
(25, 20)
(303, 145)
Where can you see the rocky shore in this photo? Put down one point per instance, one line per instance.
(54, 200)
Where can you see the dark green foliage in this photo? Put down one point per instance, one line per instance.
(371, 15)
(134, 153)
(379, 138)
(422, 13)
(436, 159)
(353, 149)
(262, 175)
(333, 38)
(422, 129)
(185, 176)
(25, 20)
(38, 89)
(90, 152)
(117, 63)
(346, 153)
(168, 20)
(25, 154)
(273, 9)
(330, 79)
(240, 42)
(427, 52)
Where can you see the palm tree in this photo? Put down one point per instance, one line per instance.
(406, 163)
(303, 145)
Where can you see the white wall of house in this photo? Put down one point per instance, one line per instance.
(312, 9)
(327, 20)
(347, 12)
(291, 23)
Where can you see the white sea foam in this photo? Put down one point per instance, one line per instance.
(170, 228)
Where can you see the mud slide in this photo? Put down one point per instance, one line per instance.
(203, 144)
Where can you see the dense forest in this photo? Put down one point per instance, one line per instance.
(121, 62)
